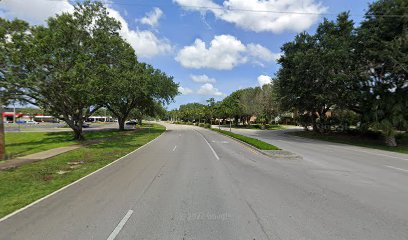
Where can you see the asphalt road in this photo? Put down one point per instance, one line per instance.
(192, 183)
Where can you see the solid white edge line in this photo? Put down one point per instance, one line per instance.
(67, 186)
(401, 169)
(174, 149)
(212, 149)
(121, 224)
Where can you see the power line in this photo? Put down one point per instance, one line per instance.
(246, 10)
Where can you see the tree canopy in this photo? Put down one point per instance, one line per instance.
(77, 64)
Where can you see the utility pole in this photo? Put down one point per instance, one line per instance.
(2, 138)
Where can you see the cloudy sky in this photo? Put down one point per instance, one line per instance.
(210, 47)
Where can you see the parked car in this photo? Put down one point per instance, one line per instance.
(131, 122)
(31, 122)
(86, 125)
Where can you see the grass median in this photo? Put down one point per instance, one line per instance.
(261, 145)
(357, 140)
(23, 185)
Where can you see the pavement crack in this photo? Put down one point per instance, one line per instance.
(156, 176)
(258, 220)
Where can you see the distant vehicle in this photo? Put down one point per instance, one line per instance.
(8, 122)
(21, 121)
(86, 125)
(131, 122)
(31, 122)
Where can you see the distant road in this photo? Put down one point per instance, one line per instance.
(192, 183)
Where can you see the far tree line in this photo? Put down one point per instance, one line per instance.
(340, 75)
(76, 64)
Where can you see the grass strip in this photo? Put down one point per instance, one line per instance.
(21, 186)
(356, 140)
(251, 141)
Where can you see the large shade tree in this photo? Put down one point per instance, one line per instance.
(382, 50)
(14, 40)
(318, 71)
(60, 64)
(137, 87)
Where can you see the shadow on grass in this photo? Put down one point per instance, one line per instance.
(51, 137)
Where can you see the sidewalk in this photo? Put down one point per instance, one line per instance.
(16, 162)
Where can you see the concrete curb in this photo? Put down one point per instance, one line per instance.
(269, 153)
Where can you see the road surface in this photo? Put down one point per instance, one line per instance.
(192, 183)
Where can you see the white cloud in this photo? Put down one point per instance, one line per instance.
(263, 79)
(202, 79)
(209, 90)
(145, 43)
(33, 11)
(152, 18)
(224, 53)
(261, 15)
(185, 91)
(262, 53)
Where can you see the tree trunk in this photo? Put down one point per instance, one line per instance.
(78, 134)
(314, 123)
(121, 122)
(390, 141)
(2, 139)
(77, 128)
(315, 128)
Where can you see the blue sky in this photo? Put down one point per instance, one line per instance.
(209, 48)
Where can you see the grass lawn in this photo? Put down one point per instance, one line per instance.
(357, 140)
(23, 185)
(251, 141)
(24, 143)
